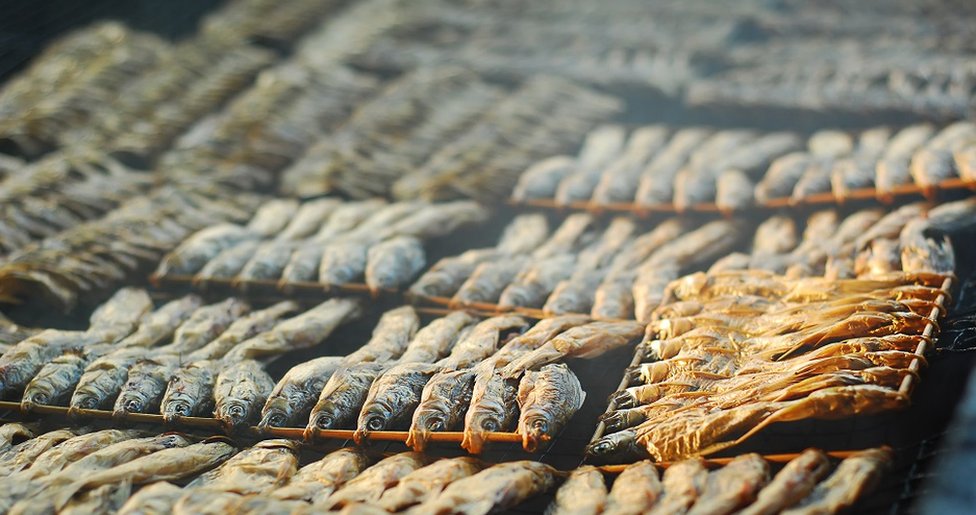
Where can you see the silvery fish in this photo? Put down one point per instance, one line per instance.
(256, 470)
(241, 389)
(392, 398)
(540, 180)
(496, 488)
(155, 499)
(447, 275)
(390, 337)
(493, 407)
(296, 392)
(299, 332)
(583, 493)
(191, 255)
(372, 482)
(427, 482)
(308, 219)
(394, 262)
(523, 234)
(272, 216)
(190, 391)
(481, 341)
(243, 328)
(342, 397)
(548, 399)
(536, 281)
(22, 455)
(229, 263)
(102, 380)
(266, 263)
(488, 280)
(163, 322)
(443, 404)
(316, 481)
(343, 261)
(204, 325)
(571, 235)
(145, 385)
(56, 380)
(120, 315)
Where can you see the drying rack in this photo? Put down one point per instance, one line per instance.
(445, 304)
(905, 388)
(818, 199)
(267, 288)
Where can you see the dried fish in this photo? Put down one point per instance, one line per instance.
(481, 341)
(242, 329)
(343, 261)
(541, 179)
(163, 322)
(394, 262)
(189, 392)
(620, 179)
(265, 263)
(73, 449)
(296, 392)
(155, 499)
(426, 483)
(436, 339)
(390, 337)
(299, 332)
(583, 493)
(448, 274)
(56, 380)
(494, 489)
(854, 476)
(145, 385)
(201, 247)
(536, 281)
(103, 379)
(797, 479)
(317, 481)
(493, 406)
(22, 455)
(893, 168)
(683, 483)
(523, 234)
(392, 398)
(733, 486)
(782, 176)
(372, 482)
(307, 220)
(601, 146)
(164, 465)
(574, 295)
(733, 190)
(343, 396)
(13, 431)
(488, 280)
(272, 217)
(204, 325)
(241, 389)
(548, 400)
(120, 315)
(581, 341)
(259, 469)
(571, 235)
(443, 405)
(636, 490)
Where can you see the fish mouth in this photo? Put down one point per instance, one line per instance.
(132, 406)
(33, 399)
(175, 410)
(85, 403)
(233, 415)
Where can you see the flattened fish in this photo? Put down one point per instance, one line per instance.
(581, 341)
(488, 281)
(540, 180)
(481, 341)
(266, 263)
(167, 464)
(272, 216)
(243, 328)
(443, 404)
(155, 499)
(144, 388)
(427, 482)
(496, 488)
(583, 493)
(548, 399)
(191, 255)
(229, 263)
(74, 449)
(394, 263)
(536, 281)
(342, 397)
(372, 482)
(447, 275)
(855, 476)
(435, 340)
(54, 383)
(299, 332)
(571, 235)
(259, 469)
(343, 261)
(190, 391)
(162, 323)
(493, 406)
(241, 389)
(14, 432)
(392, 398)
(683, 483)
(204, 325)
(307, 220)
(120, 315)
(296, 392)
(574, 295)
(390, 337)
(732, 486)
(523, 234)
(103, 379)
(22, 455)
(636, 490)
(316, 481)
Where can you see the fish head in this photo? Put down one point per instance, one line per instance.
(275, 414)
(172, 440)
(175, 408)
(129, 402)
(37, 393)
(83, 399)
(233, 414)
(536, 427)
(613, 446)
(326, 415)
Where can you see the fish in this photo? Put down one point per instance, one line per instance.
(436, 220)
(228, 263)
(13, 432)
(206, 501)
(266, 263)
(296, 392)
(488, 280)
(389, 339)
(259, 469)
(683, 482)
(23, 455)
(930, 166)
(443, 405)
(369, 486)
(119, 453)
(242, 329)
(854, 477)
(302, 265)
(436, 339)
(536, 281)
(392, 398)
(25, 360)
(574, 295)
(481, 341)
(164, 465)
(600, 147)
(190, 391)
(893, 167)
(583, 493)
(964, 159)
(782, 176)
(493, 407)
(120, 315)
(427, 482)
(307, 220)
(394, 262)
(523, 234)
(302, 331)
(447, 275)
(263, 505)
(316, 481)
(272, 216)
(495, 488)
(145, 386)
(202, 246)
(921, 253)
(163, 322)
(105, 499)
(733, 190)
(344, 261)
(56, 380)
(656, 184)
(614, 299)
(241, 389)
(620, 179)
(584, 340)
(693, 186)
(155, 499)
(548, 399)
(540, 180)
(733, 486)
(890, 225)
(75, 448)
(342, 397)
(616, 447)
(568, 238)
(103, 379)
(204, 325)
(636, 490)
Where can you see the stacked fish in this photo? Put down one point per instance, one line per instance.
(108, 471)
(265, 21)
(183, 358)
(735, 169)
(327, 241)
(742, 486)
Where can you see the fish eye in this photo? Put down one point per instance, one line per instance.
(133, 405)
(541, 425)
(436, 424)
(602, 447)
(490, 425)
(88, 403)
(323, 422)
(276, 419)
(375, 423)
(38, 398)
(236, 410)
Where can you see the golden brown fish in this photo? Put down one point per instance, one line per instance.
(732, 486)
(583, 493)
(636, 490)
(548, 399)
(317, 481)
(494, 489)
(371, 483)
(427, 482)
(853, 478)
(797, 479)
(241, 389)
(259, 469)
(389, 339)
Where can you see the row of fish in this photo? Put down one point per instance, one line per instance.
(742, 486)
(327, 241)
(736, 168)
(731, 353)
(183, 358)
(127, 471)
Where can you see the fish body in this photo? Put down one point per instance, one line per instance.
(733, 486)
(296, 392)
(190, 391)
(855, 476)
(481, 341)
(191, 255)
(272, 216)
(21, 363)
(12, 431)
(145, 385)
(316, 481)
(163, 322)
(580, 341)
(22, 455)
(493, 407)
(257, 470)
(371, 483)
(493, 489)
(447, 275)
(55, 381)
(241, 389)
(427, 482)
(343, 261)
(536, 281)
(75, 448)
(343, 396)
(103, 379)
(636, 490)
(683, 483)
(394, 262)
(442, 407)
(390, 337)
(299, 332)
(228, 263)
(244, 328)
(553, 396)
(540, 180)
(435, 340)
(155, 499)
(120, 315)
(204, 325)
(488, 280)
(307, 220)
(523, 235)
(266, 262)
(392, 398)
(583, 493)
